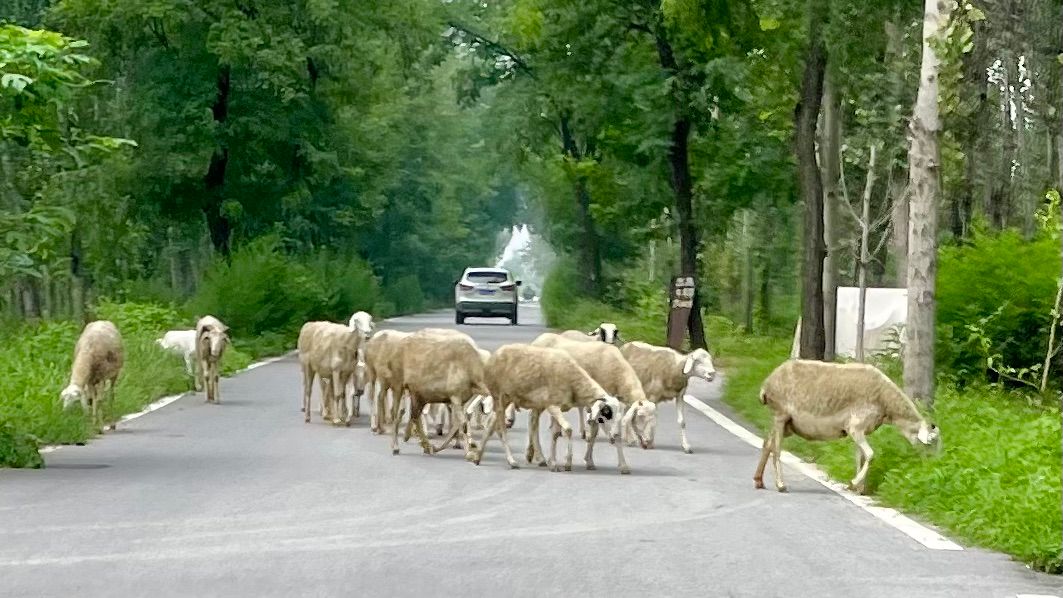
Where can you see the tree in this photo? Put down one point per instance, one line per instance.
(924, 176)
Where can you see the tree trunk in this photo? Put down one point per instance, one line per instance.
(589, 245)
(924, 182)
(77, 281)
(682, 187)
(813, 338)
(899, 239)
(214, 181)
(865, 254)
(747, 271)
(830, 156)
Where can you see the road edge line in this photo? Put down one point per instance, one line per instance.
(895, 519)
(164, 401)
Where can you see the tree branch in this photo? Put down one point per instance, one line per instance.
(496, 47)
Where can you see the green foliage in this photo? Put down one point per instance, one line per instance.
(1002, 286)
(405, 295)
(18, 449)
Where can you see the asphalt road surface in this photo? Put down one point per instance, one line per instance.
(244, 499)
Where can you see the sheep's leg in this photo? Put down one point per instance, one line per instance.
(190, 368)
(858, 483)
(765, 452)
(681, 419)
(416, 405)
(492, 420)
(395, 405)
(582, 422)
(777, 434)
(308, 389)
(215, 375)
(511, 414)
(339, 399)
(452, 432)
(500, 423)
(592, 435)
(533, 432)
(621, 463)
(560, 427)
(540, 456)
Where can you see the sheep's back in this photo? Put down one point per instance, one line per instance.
(98, 353)
(438, 366)
(821, 388)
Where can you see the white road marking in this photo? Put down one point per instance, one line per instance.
(1036, 596)
(164, 401)
(918, 532)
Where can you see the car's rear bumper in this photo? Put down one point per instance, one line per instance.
(499, 308)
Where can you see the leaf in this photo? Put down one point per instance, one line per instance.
(769, 24)
(15, 81)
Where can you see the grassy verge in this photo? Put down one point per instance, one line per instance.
(35, 367)
(995, 484)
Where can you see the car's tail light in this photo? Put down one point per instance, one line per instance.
(508, 286)
(466, 287)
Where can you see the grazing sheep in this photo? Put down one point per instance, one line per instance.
(607, 366)
(211, 339)
(330, 351)
(665, 374)
(183, 343)
(823, 401)
(438, 368)
(98, 359)
(607, 332)
(382, 374)
(544, 379)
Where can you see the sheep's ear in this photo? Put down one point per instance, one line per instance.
(688, 364)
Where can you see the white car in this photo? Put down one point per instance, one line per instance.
(486, 292)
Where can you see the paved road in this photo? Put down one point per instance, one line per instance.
(244, 499)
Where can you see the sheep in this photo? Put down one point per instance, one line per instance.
(437, 367)
(607, 366)
(436, 414)
(363, 323)
(183, 343)
(211, 338)
(824, 401)
(607, 332)
(98, 359)
(380, 352)
(544, 379)
(665, 374)
(330, 351)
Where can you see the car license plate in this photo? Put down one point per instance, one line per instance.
(487, 291)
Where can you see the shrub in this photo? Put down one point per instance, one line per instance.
(999, 274)
(405, 294)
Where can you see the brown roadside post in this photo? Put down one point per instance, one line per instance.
(680, 302)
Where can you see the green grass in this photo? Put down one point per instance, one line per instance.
(995, 483)
(35, 367)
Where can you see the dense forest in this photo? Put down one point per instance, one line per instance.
(272, 162)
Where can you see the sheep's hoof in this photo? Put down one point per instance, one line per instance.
(625, 471)
(475, 461)
(306, 419)
(568, 467)
(471, 457)
(857, 489)
(394, 451)
(591, 467)
(543, 464)
(514, 465)
(758, 484)
(688, 450)
(612, 440)
(781, 488)
(302, 409)
(509, 424)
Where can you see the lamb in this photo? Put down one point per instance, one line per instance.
(212, 336)
(183, 343)
(382, 375)
(823, 401)
(607, 332)
(98, 359)
(665, 374)
(330, 351)
(607, 366)
(437, 367)
(544, 379)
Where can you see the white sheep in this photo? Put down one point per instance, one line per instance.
(437, 368)
(544, 379)
(183, 343)
(380, 360)
(607, 366)
(328, 350)
(665, 374)
(212, 336)
(824, 401)
(363, 323)
(607, 332)
(98, 359)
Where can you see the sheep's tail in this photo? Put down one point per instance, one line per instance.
(763, 396)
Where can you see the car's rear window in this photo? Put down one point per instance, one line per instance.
(487, 277)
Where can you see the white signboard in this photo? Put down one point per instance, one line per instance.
(886, 307)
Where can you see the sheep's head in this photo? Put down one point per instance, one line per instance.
(607, 333)
(922, 433)
(644, 422)
(73, 394)
(604, 409)
(699, 364)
